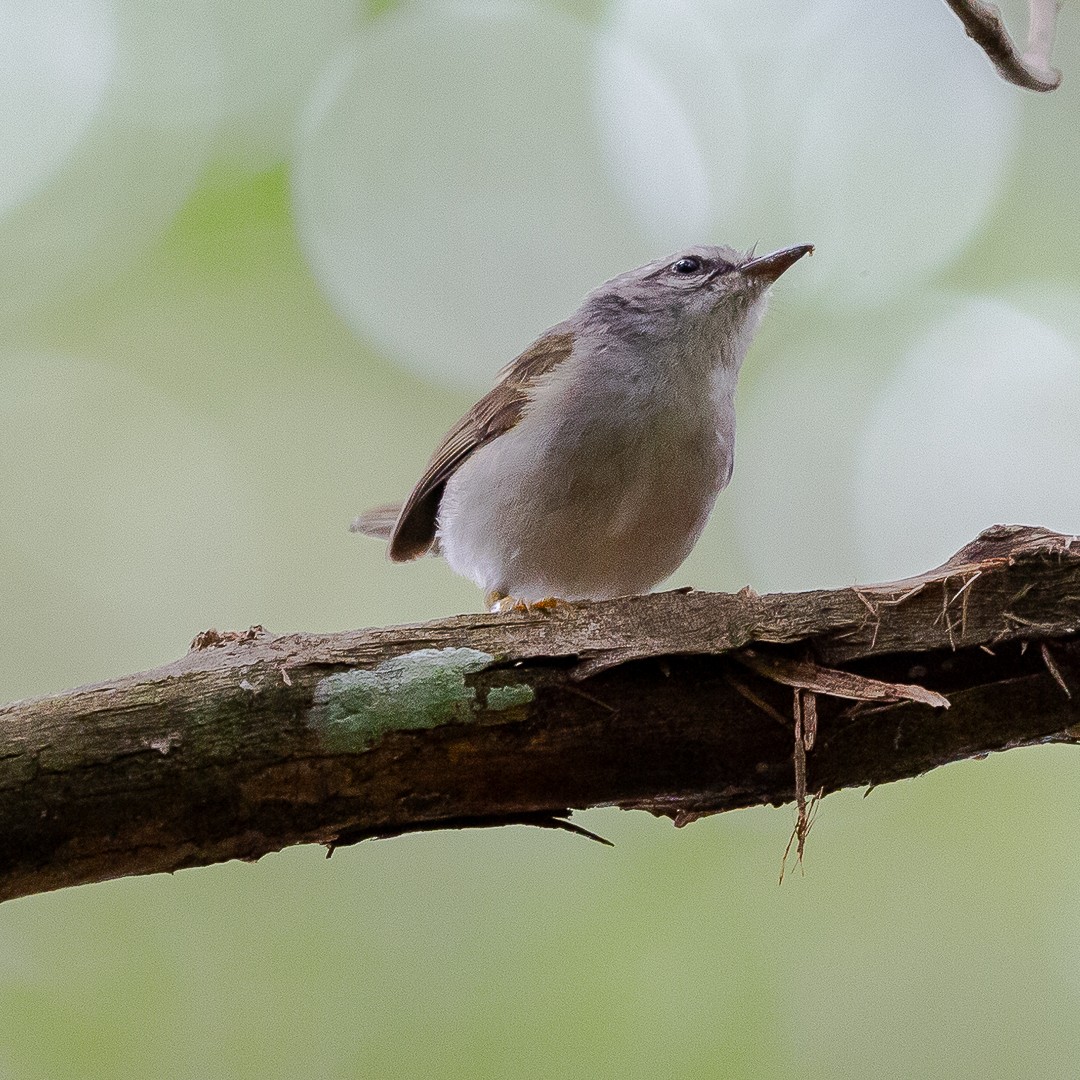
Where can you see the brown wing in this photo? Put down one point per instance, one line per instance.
(493, 415)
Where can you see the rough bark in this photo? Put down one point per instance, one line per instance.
(678, 703)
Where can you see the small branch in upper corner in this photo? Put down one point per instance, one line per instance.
(1031, 69)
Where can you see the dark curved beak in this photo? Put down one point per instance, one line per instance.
(769, 267)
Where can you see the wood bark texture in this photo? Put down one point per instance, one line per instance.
(681, 703)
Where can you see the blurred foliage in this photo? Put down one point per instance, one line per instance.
(190, 415)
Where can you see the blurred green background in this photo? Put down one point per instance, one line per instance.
(258, 257)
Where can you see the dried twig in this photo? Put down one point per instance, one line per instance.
(800, 772)
(799, 837)
(806, 675)
(805, 713)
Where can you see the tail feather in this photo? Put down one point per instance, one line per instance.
(379, 521)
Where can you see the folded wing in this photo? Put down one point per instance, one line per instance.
(411, 528)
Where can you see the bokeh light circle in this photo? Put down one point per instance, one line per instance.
(655, 159)
(56, 59)
(451, 190)
(799, 414)
(272, 51)
(874, 131)
(976, 427)
(109, 174)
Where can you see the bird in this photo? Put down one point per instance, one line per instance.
(591, 467)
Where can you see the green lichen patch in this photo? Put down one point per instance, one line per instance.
(353, 710)
(508, 697)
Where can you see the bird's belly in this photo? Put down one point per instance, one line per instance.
(606, 515)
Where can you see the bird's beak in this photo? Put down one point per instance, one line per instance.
(769, 267)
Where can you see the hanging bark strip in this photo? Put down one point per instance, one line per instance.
(677, 703)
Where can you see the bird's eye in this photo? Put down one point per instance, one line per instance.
(688, 264)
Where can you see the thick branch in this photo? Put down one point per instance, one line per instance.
(677, 703)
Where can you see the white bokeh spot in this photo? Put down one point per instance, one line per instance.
(56, 59)
(103, 177)
(874, 131)
(656, 161)
(451, 192)
(272, 51)
(976, 427)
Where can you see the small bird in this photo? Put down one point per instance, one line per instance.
(591, 467)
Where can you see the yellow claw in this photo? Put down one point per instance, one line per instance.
(498, 604)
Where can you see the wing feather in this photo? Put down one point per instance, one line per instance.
(378, 522)
(493, 415)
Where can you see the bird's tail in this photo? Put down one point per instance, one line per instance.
(379, 521)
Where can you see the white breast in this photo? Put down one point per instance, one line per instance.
(601, 489)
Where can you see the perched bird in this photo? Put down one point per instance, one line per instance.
(590, 469)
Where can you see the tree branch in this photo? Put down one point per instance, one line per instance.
(1032, 70)
(677, 703)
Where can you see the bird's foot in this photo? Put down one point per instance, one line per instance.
(498, 604)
